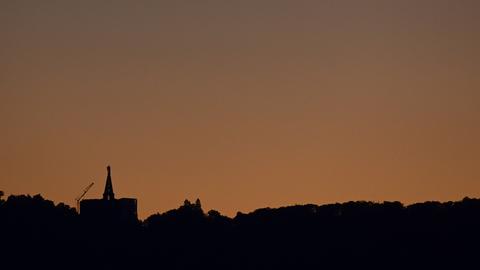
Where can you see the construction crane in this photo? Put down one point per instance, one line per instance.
(79, 198)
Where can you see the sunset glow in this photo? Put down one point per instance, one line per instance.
(243, 104)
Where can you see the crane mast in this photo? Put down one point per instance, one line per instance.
(79, 198)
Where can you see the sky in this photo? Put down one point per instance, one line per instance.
(243, 104)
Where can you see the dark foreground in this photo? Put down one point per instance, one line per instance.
(36, 234)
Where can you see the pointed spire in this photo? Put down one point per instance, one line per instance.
(108, 193)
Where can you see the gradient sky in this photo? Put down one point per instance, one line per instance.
(244, 104)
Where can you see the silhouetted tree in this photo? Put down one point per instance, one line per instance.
(198, 204)
(351, 235)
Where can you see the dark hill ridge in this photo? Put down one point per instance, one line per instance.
(366, 235)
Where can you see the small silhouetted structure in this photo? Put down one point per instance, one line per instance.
(109, 208)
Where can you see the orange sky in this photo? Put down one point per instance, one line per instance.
(244, 104)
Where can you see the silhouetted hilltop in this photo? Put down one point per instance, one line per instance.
(36, 233)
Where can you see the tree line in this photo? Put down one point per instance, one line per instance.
(38, 234)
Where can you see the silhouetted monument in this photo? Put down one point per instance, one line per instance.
(108, 193)
(109, 208)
